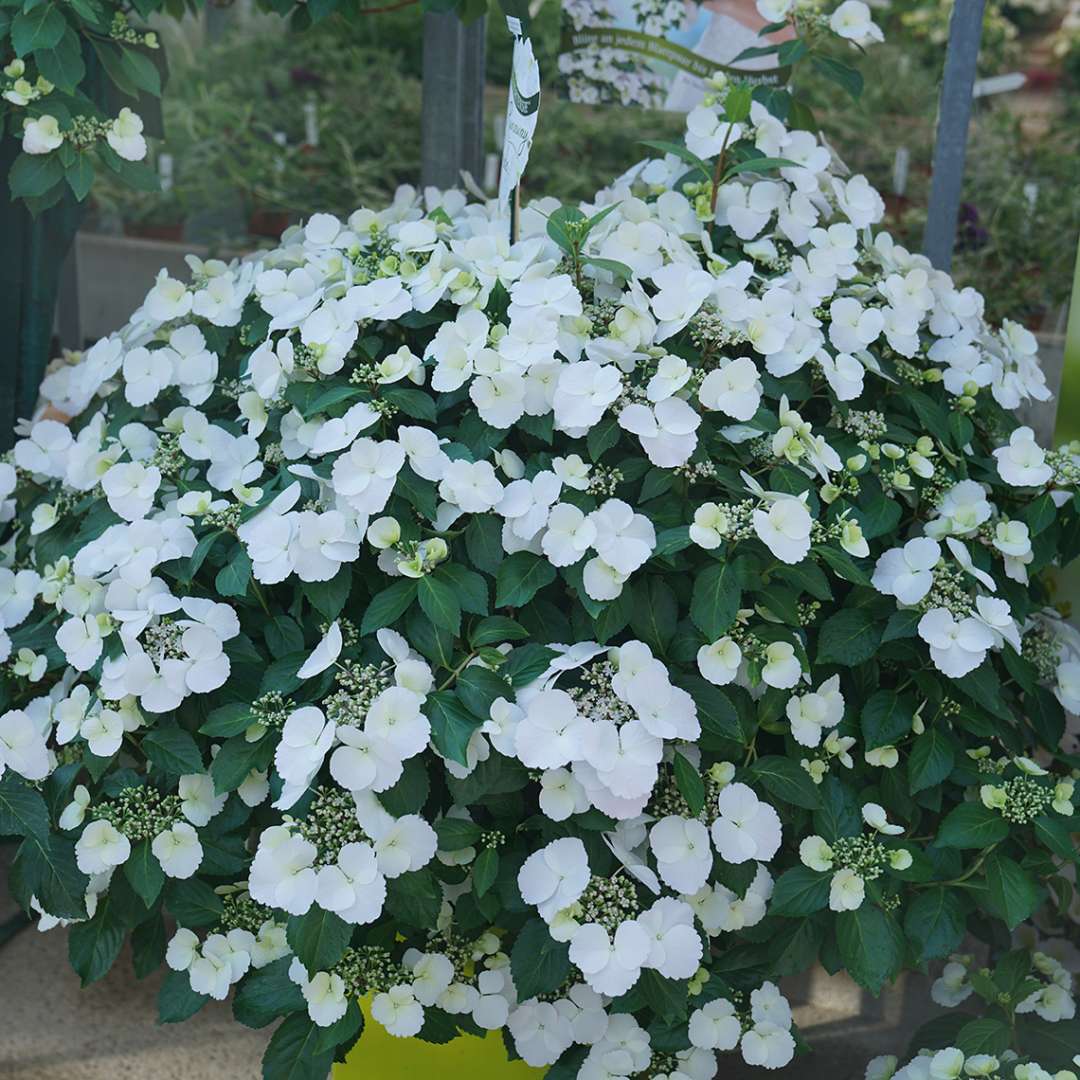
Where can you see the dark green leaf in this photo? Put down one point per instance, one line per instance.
(39, 28)
(319, 938)
(871, 946)
(690, 784)
(1014, 893)
(538, 963)
(235, 760)
(172, 750)
(1053, 832)
(345, 1030)
(50, 872)
(972, 825)
(329, 597)
(483, 542)
(934, 923)
(984, 1036)
(193, 902)
(800, 891)
(80, 176)
(452, 724)
(846, 77)
(787, 780)
(666, 997)
(33, 175)
(484, 871)
(469, 587)
(886, 718)
(388, 606)
(478, 687)
(439, 603)
(266, 994)
(415, 899)
(94, 945)
(291, 1053)
(1052, 1044)
(849, 637)
(22, 810)
(496, 629)
(62, 64)
(520, 577)
(144, 872)
(176, 1000)
(932, 759)
(715, 599)
(233, 578)
(457, 833)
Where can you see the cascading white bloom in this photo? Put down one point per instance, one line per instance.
(469, 611)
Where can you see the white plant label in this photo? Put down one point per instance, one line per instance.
(522, 108)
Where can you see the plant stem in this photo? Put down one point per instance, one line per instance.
(718, 172)
(457, 671)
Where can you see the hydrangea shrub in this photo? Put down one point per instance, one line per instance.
(573, 637)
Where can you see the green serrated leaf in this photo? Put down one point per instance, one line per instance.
(318, 938)
(291, 1053)
(484, 871)
(22, 810)
(849, 637)
(439, 603)
(388, 606)
(41, 27)
(267, 993)
(871, 946)
(144, 872)
(716, 599)
(452, 724)
(787, 780)
(172, 750)
(800, 891)
(538, 963)
(520, 577)
(934, 923)
(972, 825)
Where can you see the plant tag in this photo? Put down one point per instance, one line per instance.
(522, 108)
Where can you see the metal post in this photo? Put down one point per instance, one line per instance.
(954, 115)
(452, 123)
(68, 323)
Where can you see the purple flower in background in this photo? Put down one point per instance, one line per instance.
(970, 235)
(302, 76)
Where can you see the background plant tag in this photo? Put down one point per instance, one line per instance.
(656, 54)
(522, 109)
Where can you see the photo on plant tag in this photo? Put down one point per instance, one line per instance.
(658, 54)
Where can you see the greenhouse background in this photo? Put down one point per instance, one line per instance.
(263, 124)
(264, 127)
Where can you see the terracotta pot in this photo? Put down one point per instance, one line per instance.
(268, 223)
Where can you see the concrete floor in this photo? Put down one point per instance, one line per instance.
(50, 1029)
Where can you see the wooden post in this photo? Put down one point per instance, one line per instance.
(954, 115)
(452, 121)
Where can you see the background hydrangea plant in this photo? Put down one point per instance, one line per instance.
(574, 636)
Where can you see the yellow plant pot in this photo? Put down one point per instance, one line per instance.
(379, 1056)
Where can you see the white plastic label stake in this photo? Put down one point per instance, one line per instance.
(522, 108)
(901, 165)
